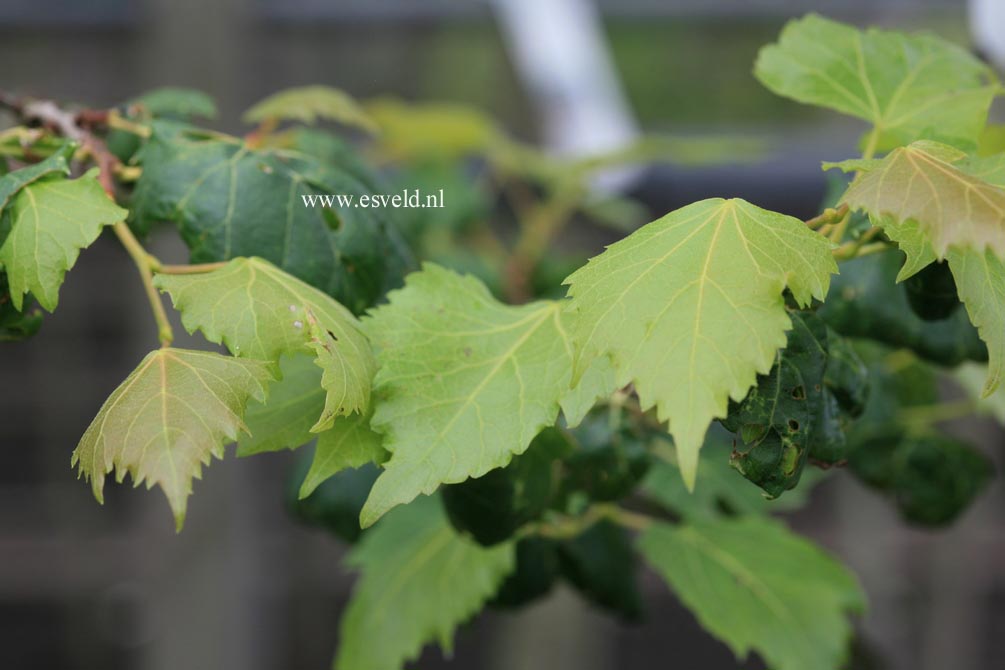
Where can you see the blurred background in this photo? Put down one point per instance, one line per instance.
(245, 586)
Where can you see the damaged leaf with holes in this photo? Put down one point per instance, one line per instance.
(779, 421)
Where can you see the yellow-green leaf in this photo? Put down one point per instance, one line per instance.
(907, 86)
(261, 312)
(51, 220)
(465, 382)
(170, 416)
(307, 104)
(690, 308)
(433, 130)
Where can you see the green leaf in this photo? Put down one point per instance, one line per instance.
(285, 420)
(906, 86)
(258, 311)
(51, 220)
(169, 417)
(420, 580)
(174, 102)
(464, 382)
(56, 164)
(756, 586)
(690, 308)
(929, 184)
(307, 104)
(229, 201)
(349, 443)
(980, 280)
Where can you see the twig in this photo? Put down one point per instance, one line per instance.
(829, 215)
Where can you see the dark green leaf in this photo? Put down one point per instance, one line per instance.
(601, 564)
(229, 200)
(334, 504)
(609, 461)
(864, 301)
(932, 478)
(535, 574)
(778, 420)
(492, 507)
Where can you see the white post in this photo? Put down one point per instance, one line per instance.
(560, 51)
(987, 24)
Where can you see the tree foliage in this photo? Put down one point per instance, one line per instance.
(508, 416)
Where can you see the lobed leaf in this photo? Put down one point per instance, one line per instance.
(50, 221)
(958, 213)
(925, 189)
(420, 580)
(464, 382)
(169, 417)
(690, 308)
(258, 311)
(757, 586)
(907, 86)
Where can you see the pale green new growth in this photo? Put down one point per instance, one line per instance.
(310, 103)
(259, 311)
(349, 443)
(170, 416)
(51, 221)
(464, 384)
(906, 86)
(420, 580)
(930, 183)
(756, 586)
(690, 308)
